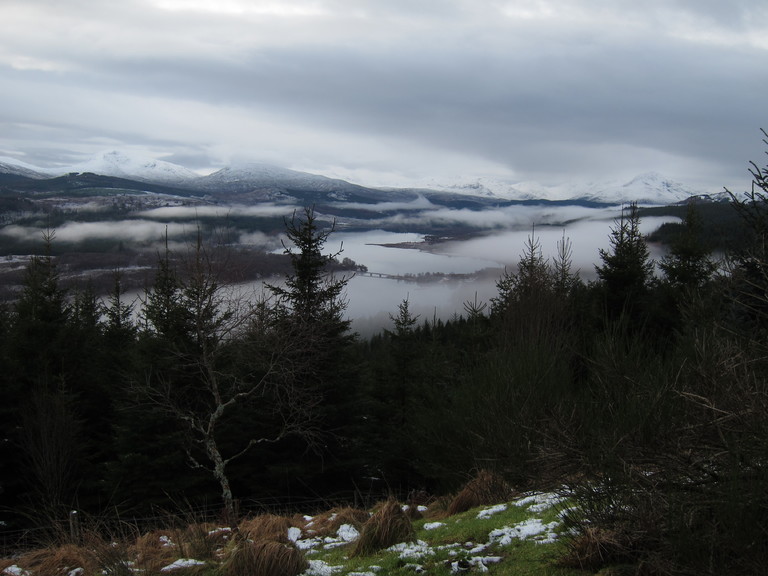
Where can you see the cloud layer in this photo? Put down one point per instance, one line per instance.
(383, 92)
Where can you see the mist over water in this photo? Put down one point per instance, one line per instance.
(372, 300)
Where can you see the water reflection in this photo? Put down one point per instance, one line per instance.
(372, 300)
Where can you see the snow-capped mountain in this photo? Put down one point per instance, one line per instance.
(122, 165)
(246, 177)
(648, 188)
(19, 168)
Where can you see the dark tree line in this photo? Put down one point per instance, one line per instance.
(644, 390)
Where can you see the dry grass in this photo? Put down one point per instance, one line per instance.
(155, 550)
(388, 526)
(59, 561)
(202, 541)
(484, 489)
(266, 527)
(113, 556)
(328, 523)
(594, 548)
(264, 558)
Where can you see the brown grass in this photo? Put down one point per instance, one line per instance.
(112, 556)
(266, 527)
(264, 558)
(59, 561)
(328, 523)
(484, 489)
(388, 526)
(593, 548)
(202, 541)
(152, 553)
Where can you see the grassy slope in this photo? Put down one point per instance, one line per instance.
(518, 540)
(464, 542)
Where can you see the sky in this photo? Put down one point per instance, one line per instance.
(393, 92)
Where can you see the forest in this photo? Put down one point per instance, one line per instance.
(642, 393)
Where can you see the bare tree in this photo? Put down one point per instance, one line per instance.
(223, 356)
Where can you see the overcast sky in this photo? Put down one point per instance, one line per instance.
(385, 91)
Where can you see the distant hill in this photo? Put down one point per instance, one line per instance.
(260, 182)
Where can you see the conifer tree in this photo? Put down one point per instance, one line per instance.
(749, 262)
(627, 270)
(309, 308)
(688, 266)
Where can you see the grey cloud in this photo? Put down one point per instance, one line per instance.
(579, 88)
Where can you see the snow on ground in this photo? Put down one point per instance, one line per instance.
(433, 525)
(468, 555)
(488, 512)
(182, 563)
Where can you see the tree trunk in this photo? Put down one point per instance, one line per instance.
(219, 473)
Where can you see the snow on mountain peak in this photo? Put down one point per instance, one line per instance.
(121, 165)
(646, 188)
(10, 165)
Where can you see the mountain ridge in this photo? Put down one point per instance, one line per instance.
(272, 182)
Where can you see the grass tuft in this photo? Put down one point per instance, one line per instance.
(593, 548)
(484, 489)
(59, 561)
(388, 526)
(328, 523)
(264, 558)
(266, 527)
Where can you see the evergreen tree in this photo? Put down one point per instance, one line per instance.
(688, 266)
(39, 322)
(749, 263)
(627, 270)
(310, 308)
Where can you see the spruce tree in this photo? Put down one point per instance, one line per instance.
(627, 270)
(309, 307)
(688, 266)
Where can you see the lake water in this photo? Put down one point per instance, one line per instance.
(371, 300)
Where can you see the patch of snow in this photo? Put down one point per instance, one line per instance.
(14, 570)
(532, 528)
(539, 502)
(320, 568)
(348, 533)
(308, 544)
(166, 542)
(76, 572)
(412, 550)
(488, 512)
(433, 525)
(294, 534)
(182, 563)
